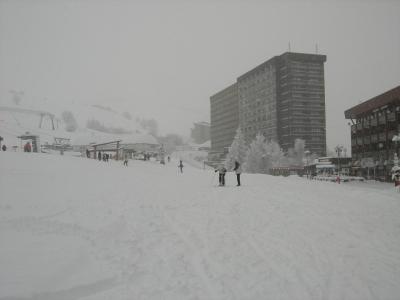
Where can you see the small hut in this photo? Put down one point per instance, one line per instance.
(32, 138)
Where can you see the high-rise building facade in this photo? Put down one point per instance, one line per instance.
(224, 113)
(258, 102)
(301, 100)
(283, 99)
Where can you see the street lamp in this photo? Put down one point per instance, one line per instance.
(338, 150)
(307, 153)
(396, 139)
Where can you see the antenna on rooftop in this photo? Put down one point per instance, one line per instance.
(316, 48)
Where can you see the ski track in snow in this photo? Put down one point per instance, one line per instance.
(154, 233)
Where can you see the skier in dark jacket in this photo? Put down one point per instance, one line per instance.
(222, 172)
(99, 156)
(180, 166)
(238, 171)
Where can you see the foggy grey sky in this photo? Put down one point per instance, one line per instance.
(164, 59)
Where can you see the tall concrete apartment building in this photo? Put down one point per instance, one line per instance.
(301, 101)
(282, 98)
(224, 113)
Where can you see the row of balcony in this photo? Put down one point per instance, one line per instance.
(373, 138)
(391, 117)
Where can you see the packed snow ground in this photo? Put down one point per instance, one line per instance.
(74, 228)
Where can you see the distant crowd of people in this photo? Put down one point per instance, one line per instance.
(107, 156)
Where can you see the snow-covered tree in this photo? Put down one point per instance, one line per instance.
(256, 159)
(275, 154)
(296, 155)
(71, 124)
(263, 155)
(299, 146)
(237, 151)
(127, 115)
(17, 96)
(150, 125)
(170, 142)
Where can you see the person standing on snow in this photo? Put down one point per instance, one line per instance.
(180, 166)
(396, 178)
(238, 170)
(27, 147)
(126, 159)
(222, 172)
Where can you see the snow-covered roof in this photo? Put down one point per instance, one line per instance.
(88, 137)
(325, 166)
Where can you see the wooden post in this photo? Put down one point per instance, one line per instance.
(116, 155)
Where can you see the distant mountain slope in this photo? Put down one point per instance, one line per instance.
(49, 121)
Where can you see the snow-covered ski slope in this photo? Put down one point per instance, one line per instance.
(16, 120)
(73, 228)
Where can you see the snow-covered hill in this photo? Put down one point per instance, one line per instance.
(75, 228)
(15, 120)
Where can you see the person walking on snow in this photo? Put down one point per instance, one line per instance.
(180, 166)
(222, 172)
(238, 170)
